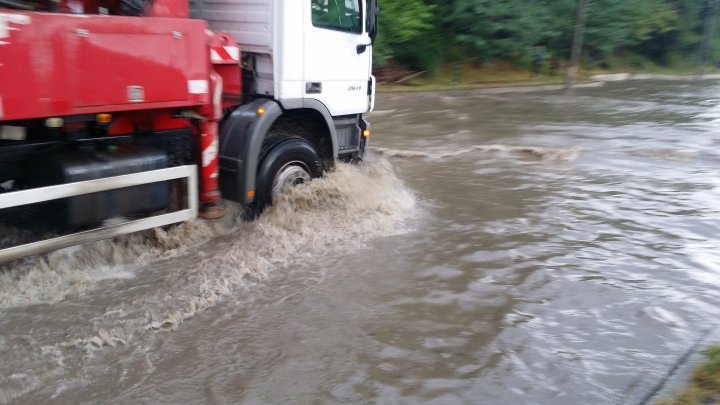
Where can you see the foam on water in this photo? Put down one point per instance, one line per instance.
(665, 153)
(537, 152)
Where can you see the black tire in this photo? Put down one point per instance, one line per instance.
(280, 155)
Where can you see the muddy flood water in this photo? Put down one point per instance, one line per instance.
(525, 248)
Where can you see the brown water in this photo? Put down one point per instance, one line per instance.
(498, 248)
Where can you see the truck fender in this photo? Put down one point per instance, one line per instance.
(323, 110)
(241, 138)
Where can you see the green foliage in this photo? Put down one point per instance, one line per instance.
(622, 24)
(401, 22)
(420, 32)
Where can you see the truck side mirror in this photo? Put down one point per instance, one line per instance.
(371, 17)
(372, 20)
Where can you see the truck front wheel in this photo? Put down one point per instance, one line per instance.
(287, 163)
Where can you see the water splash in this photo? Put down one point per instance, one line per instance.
(156, 279)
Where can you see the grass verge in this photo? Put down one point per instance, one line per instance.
(504, 74)
(704, 387)
(470, 77)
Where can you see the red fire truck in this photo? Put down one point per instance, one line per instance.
(153, 111)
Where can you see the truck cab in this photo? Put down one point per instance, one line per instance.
(301, 52)
(321, 80)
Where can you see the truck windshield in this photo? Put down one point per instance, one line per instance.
(342, 15)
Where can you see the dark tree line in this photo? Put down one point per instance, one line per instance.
(423, 34)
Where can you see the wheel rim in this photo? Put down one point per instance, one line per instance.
(290, 175)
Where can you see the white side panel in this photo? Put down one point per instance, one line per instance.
(290, 48)
(251, 23)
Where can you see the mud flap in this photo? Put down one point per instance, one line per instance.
(241, 137)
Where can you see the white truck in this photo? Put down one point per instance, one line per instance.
(156, 110)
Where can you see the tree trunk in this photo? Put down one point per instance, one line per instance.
(571, 73)
(708, 34)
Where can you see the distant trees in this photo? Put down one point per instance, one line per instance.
(421, 34)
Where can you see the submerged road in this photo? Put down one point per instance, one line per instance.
(495, 248)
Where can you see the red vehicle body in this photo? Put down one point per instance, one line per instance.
(112, 75)
(143, 71)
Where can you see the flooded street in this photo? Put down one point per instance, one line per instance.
(496, 248)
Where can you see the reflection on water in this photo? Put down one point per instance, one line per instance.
(498, 248)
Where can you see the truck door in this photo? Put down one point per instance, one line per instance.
(338, 58)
